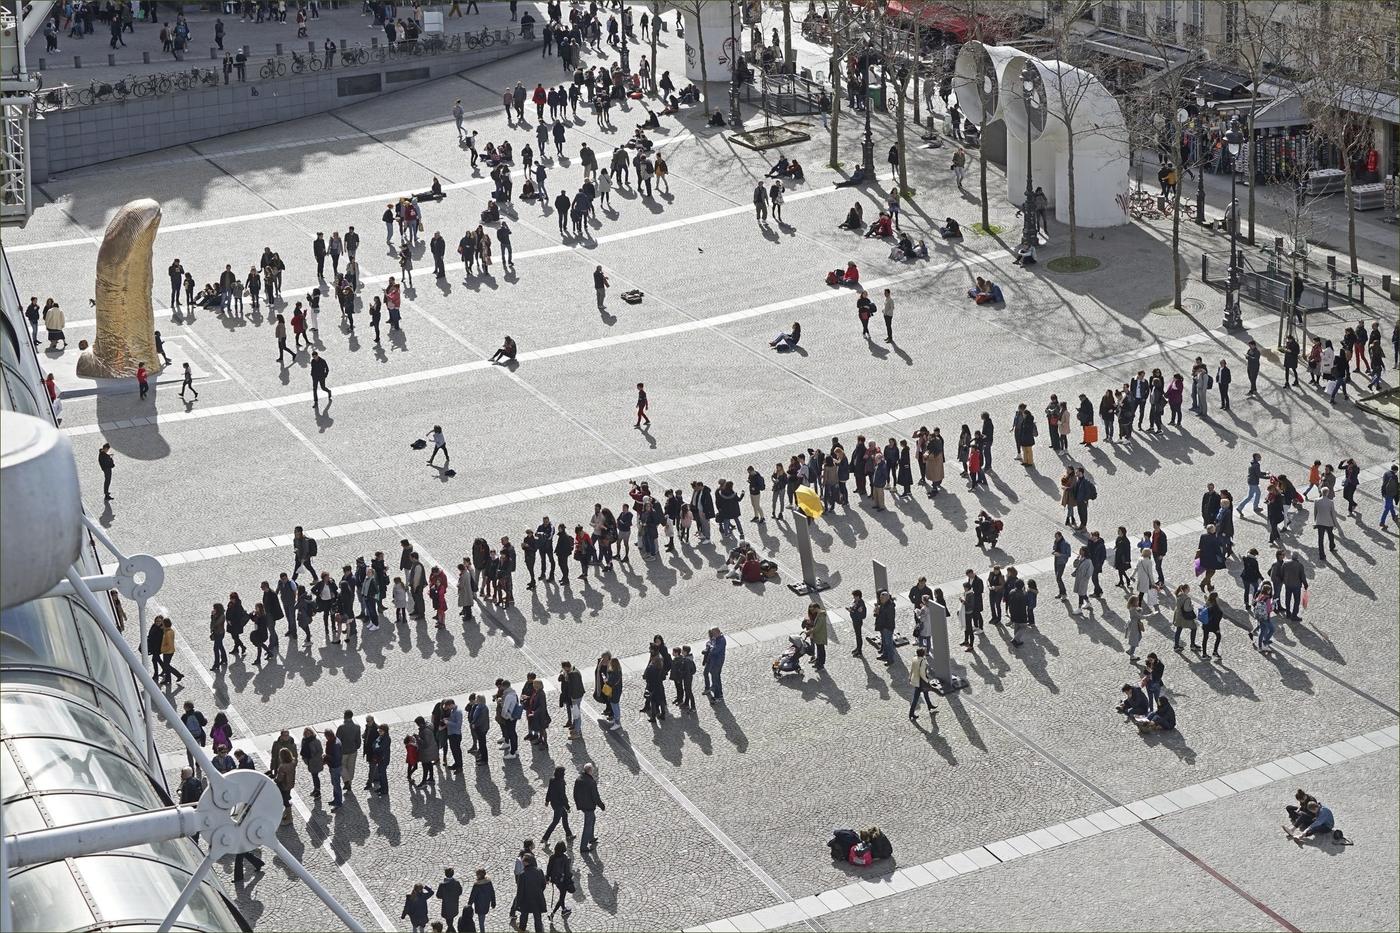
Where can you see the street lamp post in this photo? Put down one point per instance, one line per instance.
(867, 144)
(1234, 141)
(1196, 153)
(622, 24)
(736, 118)
(1030, 225)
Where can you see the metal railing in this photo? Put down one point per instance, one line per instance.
(294, 63)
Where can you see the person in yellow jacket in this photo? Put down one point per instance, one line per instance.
(167, 652)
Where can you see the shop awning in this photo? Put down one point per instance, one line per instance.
(1136, 50)
(941, 18)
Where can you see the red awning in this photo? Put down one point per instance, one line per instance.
(936, 16)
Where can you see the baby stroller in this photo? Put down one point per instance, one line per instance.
(790, 661)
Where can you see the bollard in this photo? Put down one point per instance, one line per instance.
(77, 61)
(213, 53)
(43, 64)
(343, 44)
(311, 47)
(881, 575)
(1385, 279)
(279, 48)
(1331, 267)
(374, 42)
(112, 59)
(145, 58)
(1205, 268)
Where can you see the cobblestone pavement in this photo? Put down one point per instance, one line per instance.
(719, 819)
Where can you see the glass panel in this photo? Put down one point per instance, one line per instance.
(54, 681)
(11, 781)
(66, 809)
(9, 346)
(135, 888)
(47, 898)
(109, 673)
(58, 764)
(38, 713)
(115, 710)
(18, 397)
(23, 816)
(42, 631)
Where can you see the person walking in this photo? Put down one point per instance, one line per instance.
(449, 892)
(643, 405)
(439, 443)
(589, 802)
(1325, 520)
(919, 677)
(559, 871)
(188, 383)
(320, 370)
(530, 900)
(557, 799)
(415, 908)
(481, 900)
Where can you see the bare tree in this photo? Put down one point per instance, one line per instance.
(787, 35)
(1345, 77)
(655, 28)
(1254, 40)
(840, 46)
(695, 8)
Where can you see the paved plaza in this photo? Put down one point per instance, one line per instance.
(1027, 804)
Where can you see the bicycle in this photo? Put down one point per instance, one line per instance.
(275, 68)
(480, 40)
(208, 77)
(302, 64)
(355, 56)
(97, 93)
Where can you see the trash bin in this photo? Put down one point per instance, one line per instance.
(877, 97)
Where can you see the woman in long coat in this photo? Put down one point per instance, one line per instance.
(464, 589)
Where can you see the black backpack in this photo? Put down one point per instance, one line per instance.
(310, 547)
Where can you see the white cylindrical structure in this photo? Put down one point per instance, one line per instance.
(41, 511)
(719, 21)
(977, 78)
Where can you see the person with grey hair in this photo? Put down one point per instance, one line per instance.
(1325, 521)
(588, 801)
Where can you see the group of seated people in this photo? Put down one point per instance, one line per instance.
(745, 566)
(786, 168)
(506, 354)
(985, 292)
(847, 276)
(689, 97)
(208, 297)
(882, 226)
(495, 155)
(492, 212)
(1309, 819)
(860, 848)
(1137, 708)
(639, 141)
(906, 248)
(787, 340)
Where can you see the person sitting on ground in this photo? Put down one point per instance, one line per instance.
(1319, 822)
(492, 213)
(672, 106)
(880, 847)
(779, 169)
(736, 561)
(1025, 255)
(527, 191)
(690, 96)
(951, 229)
(751, 570)
(1134, 702)
(434, 192)
(882, 227)
(1298, 815)
(490, 154)
(855, 218)
(987, 528)
(857, 178)
(921, 249)
(640, 141)
(651, 122)
(208, 297)
(716, 118)
(795, 171)
(788, 340)
(980, 292)
(852, 274)
(506, 353)
(1162, 720)
(904, 249)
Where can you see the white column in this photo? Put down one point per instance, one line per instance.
(718, 26)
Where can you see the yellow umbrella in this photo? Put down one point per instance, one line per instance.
(810, 502)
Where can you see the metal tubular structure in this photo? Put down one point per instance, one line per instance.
(18, 23)
(1030, 225)
(1234, 139)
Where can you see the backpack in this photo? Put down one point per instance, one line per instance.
(860, 855)
(310, 547)
(516, 713)
(1091, 492)
(834, 277)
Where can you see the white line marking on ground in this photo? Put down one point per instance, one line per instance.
(452, 510)
(991, 854)
(457, 369)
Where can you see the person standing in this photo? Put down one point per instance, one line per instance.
(335, 760)
(348, 738)
(107, 464)
(918, 676)
(415, 908)
(589, 802)
(449, 892)
(1325, 520)
(1222, 382)
(857, 612)
(1251, 366)
(760, 203)
(481, 900)
(143, 383)
(818, 632)
(884, 625)
(600, 283)
(712, 662)
(167, 653)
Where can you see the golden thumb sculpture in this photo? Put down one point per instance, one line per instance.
(126, 323)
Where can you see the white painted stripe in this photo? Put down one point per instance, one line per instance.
(405, 519)
(990, 855)
(386, 197)
(302, 398)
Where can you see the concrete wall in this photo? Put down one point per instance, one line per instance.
(69, 139)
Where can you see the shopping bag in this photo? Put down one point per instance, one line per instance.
(1196, 566)
(1305, 599)
(1091, 433)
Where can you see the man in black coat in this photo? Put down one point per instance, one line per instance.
(449, 891)
(530, 898)
(320, 369)
(702, 507)
(588, 801)
(438, 246)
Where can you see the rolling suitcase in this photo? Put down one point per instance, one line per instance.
(1091, 434)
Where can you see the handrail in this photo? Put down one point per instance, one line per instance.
(289, 63)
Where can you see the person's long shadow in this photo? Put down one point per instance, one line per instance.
(822, 686)
(732, 731)
(1174, 741)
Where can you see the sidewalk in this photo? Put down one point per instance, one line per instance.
(347, 23)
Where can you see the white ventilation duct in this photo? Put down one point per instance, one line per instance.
(41, 512)
(1100, 134)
